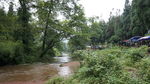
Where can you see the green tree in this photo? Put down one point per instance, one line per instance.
(53, 28)
(25, 33)
(11, 9)
(126, 17)
(79, 37)
(96, 30)
(140, 17)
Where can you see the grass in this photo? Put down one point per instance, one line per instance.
(115, 65)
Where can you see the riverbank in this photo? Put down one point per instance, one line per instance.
(115, 65)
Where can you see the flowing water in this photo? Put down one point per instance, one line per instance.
(38, 73)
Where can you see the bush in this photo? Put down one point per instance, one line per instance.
(115, 65)
(114, 39)
(57, 52)
(102, 66)
(56, 80)
(144, 69)
(79, 54)
(133, 55)
(61, 80)
(10, 52)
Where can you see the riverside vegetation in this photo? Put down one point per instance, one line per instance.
(32, 31)
(116, 65)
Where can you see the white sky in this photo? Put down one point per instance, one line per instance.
(101, 8)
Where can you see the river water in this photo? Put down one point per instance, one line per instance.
(38, 73)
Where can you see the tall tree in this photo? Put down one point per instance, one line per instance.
(53, 28)
(126, 17)
(3, 25)
(11, 9)
(140, 17)
(25, 29)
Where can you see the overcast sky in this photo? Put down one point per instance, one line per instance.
(101, 8)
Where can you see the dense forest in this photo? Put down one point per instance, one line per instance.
(35, 31)
(37, 28)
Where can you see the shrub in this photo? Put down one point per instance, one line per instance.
(109, 66)
(56, 80)
(79, 54)
(61, 80)
(101, 66)
(114, 39)
(10, 52)
(144, 69)
(57, 52)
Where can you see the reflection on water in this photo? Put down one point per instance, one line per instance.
(65, 58)
(36, 72)
(63, 70)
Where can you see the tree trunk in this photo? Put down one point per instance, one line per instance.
(45, 31)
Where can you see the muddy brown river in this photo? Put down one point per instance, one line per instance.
(38, 73)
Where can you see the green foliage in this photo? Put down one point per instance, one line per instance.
(56, 80)
(138, 25)
(144, 69)
(101, 65)
(79, 55)
(77, 43)
(133, 22)
(57, 52)
(22, 36)
(116, 65)
(115, 39)
(61, 80)
(11, 52)
(40, 37)
(6, 27)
